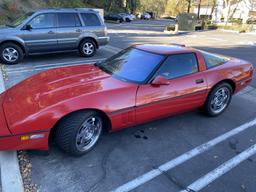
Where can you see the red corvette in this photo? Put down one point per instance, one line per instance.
(139, 84)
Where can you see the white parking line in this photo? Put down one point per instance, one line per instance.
(221, 170)
(54, 64)
(108, 48)
(182, 158)
(37, 68)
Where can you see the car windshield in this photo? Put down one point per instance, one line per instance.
(131, 64)
(19, 20)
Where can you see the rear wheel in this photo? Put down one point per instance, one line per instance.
(218, 99)
(10, 53)
(79, 132)
(87, 48)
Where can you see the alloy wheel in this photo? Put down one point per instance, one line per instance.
(88, 133)
(220, 100)
(10, 54)
(88, 48)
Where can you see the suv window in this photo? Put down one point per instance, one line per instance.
(90, 19)
(68, 20)
(43, 21)
(179, 65)
(212, 60)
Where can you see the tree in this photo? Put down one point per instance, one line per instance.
(174, 7)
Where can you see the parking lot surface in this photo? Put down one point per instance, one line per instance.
(123, 156)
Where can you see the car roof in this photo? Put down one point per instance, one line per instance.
(60, 10)
(164, 49)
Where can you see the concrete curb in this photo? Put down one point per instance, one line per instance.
(11, 180)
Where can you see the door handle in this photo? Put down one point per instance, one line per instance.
(79, 30)
(198, 81)
(50, 32)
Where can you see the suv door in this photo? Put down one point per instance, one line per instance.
(187, 89)
(69, 30)
(41, 34)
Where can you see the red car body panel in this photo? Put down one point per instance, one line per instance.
(35, 105)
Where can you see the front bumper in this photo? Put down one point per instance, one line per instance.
(24, 142)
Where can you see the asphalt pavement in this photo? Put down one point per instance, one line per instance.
(119, 159)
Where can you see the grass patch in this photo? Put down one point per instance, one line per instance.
(241, 28)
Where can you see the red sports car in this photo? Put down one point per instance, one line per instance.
(140, 84)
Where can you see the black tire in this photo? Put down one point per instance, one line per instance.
(208, 106)
(90, 44)
(17, 50)
(69, 129)
(128, 20)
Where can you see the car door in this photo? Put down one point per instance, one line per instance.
(186, 89)
(39, 34)
(68, 31)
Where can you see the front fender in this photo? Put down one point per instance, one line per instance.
(15, 39)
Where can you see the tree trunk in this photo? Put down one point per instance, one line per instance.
(189, 5)
(213, 7)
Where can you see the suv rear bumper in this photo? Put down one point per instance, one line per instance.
(103, 40)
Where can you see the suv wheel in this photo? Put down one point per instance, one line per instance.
(11, 53)
(87, 48)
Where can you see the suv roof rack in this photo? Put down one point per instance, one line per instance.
(178, 44)
(67, 9)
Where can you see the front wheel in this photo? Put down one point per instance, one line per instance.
(11, 53)
(79, 132)
(218, 100)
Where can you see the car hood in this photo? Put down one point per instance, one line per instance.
(52, 87)
(4, 29)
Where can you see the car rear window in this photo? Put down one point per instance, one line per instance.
(212, 60)
(68, 20)
(90, 19)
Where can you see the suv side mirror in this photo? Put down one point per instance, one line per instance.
(27, 27)
(160, 80)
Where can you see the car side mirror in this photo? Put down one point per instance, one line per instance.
(27, 27)
(160, 80)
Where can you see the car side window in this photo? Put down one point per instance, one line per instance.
(212, 60)
(179, 65)
(90, 19)
(68, 20)
(43, 21)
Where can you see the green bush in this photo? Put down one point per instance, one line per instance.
(241, 28)
(235, 20)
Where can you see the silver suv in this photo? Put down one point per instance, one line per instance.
(52, 30)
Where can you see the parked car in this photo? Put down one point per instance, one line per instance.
(145, 16)
(142, 83)
(133, 16)
(126, 17)
(114, 17)
(52, 30)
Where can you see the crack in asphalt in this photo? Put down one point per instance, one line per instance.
(103, 167)
(174, 180)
